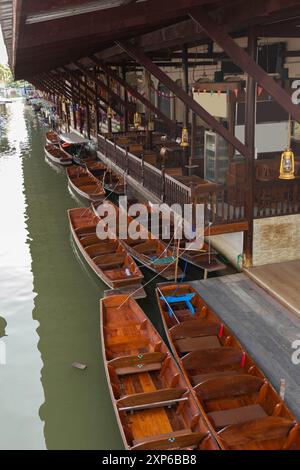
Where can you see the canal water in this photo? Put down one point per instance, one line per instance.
(49, 306)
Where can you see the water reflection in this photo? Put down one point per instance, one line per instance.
(21, 393)
(77, 411)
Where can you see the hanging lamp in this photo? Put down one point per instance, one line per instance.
(287, 164)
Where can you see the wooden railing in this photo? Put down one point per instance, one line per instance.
(277, 198)
(163, 186)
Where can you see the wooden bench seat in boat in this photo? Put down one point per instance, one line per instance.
(157, 399)
(89, 240)
(187, 345)
(173, 440)
(228, 386)
(87, 230)
(197, 379)
(221, 419)
(110, 261)
(101, 248)
(264, 429)
(194, 328)
(119, 273)
(213, 360)
(139, 363)
(90, 189)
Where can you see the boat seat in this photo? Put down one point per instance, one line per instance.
(157, 399)
(101, 248)
(211, 360)
(138, 370)
(146, 362)
(194, 328)
(110, 261)
(264, 429)
(157, 396)
(223, 418)
(177, 439)
(186, 298)
(89, 240)
(187, 345)
(87, 230)
(229, 386)
(197, 379)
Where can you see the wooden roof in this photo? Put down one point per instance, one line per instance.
(41, 36)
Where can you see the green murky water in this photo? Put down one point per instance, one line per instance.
(49, 306)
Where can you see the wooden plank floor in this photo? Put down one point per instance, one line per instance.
(263, 325)
(282, 280)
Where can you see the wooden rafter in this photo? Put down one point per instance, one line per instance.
(245, 62)
(140, 57)
(169, 123)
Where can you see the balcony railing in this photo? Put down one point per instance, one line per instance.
(222, 205)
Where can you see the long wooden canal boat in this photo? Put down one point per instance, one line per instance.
(151, 253)
(95, 167)
(204, 258)
(52, 138)
(153, 405)
(57, 155)
(238, 401)
(107, 258)
(85, 184)
(113, 183)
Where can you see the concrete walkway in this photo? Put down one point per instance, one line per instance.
(282, 280)
(264, 326)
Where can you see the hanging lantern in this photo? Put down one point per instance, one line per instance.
(150, 125)
(184, 138)
(137, 120)
(287, 166)
(109, 112)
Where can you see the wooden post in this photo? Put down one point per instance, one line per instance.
(96, 105)
(250, 123)
(148, 111)
(73, 103)
(126, 120)
(88, 115)
(185, 70)
(109, 119)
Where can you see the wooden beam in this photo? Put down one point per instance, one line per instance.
(226, 228)
(245, 62)
(99, 82)
(108, 22)
(169, 123)
(250, 124)
(140, 57)
(92, 92)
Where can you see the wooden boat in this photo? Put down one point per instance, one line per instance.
(52, 138)
(238, 401)
(95, 167)
(107, 258)
(113, 183)
(152, 254)
(153, 405)
(204, 258)
(57, 155)
(85, 184)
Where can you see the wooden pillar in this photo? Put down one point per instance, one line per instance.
(185, 84)
(88, 114)
(231, 122)
(250, 123)
(125, 117)
(193, 136)
(148, 111)
(97, 117)
(73, 102)
(109, 119)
